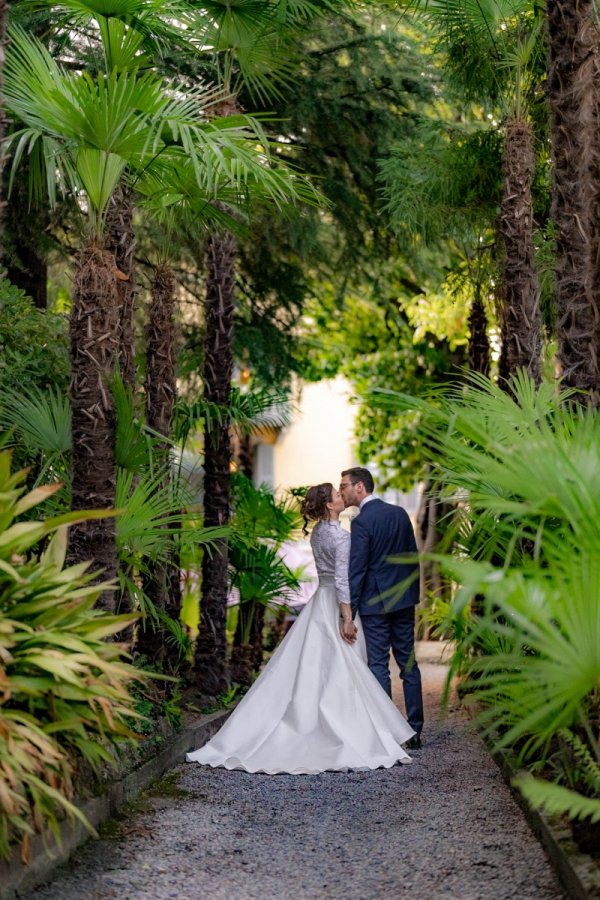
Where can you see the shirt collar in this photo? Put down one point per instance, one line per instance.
(366, 500)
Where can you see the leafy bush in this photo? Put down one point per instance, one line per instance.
(524, 467)
(34, 349)
(64, 689)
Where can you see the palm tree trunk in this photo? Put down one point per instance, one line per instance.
(161, 586)
(4, 8)
(121, 241)
(94, 348)
(211, 674)
(256, 636)
(479, 345)
(160, 385)
(573, 93)
(521, 292)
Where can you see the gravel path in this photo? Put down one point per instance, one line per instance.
(446, 826)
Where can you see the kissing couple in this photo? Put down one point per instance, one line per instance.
(323, 701)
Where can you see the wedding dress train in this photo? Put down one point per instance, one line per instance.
(316, 706)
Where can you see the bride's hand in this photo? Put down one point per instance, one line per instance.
(348, 631)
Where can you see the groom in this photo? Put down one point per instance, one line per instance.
(380, 531)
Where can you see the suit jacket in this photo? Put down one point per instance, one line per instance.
(379, 531)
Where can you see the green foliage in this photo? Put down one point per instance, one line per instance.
(261, 577)
(64, 688)
(523, 466)
(245, 412)
(260, 524)
(443, 182)
(40, 429)
(557, 799)
(153, 513)
(34, 351)
(88, 131)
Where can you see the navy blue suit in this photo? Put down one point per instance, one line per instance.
(381, 531)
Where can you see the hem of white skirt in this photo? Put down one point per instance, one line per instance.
(240, 767)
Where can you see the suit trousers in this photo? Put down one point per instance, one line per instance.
(396, 630)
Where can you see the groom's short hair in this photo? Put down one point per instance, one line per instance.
(357, 473)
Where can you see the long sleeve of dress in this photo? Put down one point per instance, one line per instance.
(331, 548)
(342, 560)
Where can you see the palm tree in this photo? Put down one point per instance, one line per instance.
(173, 199)
(573, 94)
(492, 50)
(211, 645)
(257, 51)
(120, 240)
(89, 132)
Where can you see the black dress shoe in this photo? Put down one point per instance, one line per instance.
(414, 743)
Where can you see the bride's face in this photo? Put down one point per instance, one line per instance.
(336, 504)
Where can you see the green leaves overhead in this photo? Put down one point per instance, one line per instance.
(491, 47)
(89, 130)
(256, 43)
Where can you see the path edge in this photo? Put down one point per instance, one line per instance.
(575, 870)
(15, 876)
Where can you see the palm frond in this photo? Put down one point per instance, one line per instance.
(553, 798)
(151, 507)
(42, 419)
(524, 467)
(246, 411)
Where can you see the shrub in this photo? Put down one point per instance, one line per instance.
(524, 467)
(64, 689)
(34, 348)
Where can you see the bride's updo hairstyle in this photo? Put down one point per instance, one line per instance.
(314, 505)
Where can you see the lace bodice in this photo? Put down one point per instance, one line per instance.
(331, 548)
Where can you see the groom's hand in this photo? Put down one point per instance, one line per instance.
(348, 631)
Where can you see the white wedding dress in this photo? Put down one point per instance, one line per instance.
(316, 707)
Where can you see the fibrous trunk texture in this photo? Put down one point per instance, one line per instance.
(94, 347)
(479, 345)
(573, 93)
(120, 240)
(256, 635)
(160, 383)
(521, 294)
(246, 659)
(242, 664)
(162, 583)
(4, 7)
(211, 674)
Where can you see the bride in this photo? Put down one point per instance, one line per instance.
(316, 707)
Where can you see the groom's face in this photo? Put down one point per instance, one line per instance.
(348, 492)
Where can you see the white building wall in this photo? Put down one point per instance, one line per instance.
(320, 441)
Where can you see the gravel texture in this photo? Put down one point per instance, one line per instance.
(445, 826)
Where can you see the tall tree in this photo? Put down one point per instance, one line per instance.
(492, 53)
(211, 645)
(258, 51)
(574, 97)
